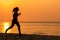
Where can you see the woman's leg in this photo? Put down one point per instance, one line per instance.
(18, 28)
(9, 28)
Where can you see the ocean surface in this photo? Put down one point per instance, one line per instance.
(39, 28)
(44, 28)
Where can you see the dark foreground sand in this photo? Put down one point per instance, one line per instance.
(27, 37)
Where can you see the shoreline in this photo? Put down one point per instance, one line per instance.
(11, 36)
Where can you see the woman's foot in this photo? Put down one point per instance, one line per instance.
(20, 35)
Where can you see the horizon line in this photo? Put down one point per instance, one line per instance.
(36, 21)
(40, 22)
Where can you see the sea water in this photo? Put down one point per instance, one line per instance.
(39, 28)
(44, 28)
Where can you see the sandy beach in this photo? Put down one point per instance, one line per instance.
(11, 36)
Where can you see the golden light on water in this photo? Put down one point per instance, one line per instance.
(6, 25)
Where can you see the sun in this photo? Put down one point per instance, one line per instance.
(6, 25)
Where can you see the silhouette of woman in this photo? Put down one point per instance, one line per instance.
(15, 21)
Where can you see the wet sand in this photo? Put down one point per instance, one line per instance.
(11, 36)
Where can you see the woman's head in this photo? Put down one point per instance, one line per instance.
(15, 9)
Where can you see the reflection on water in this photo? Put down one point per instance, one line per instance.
(37, 28)
(4, 26)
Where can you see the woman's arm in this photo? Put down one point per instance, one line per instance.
(19, 14)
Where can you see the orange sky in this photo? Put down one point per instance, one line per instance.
(32, 10)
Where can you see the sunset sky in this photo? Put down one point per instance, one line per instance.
(31, 10)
